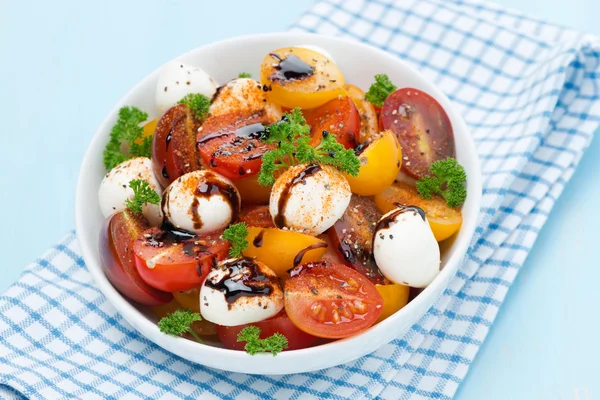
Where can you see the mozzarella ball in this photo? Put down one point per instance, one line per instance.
(405, 249)
(319, 50)
(176, 80)
(309, 198)
(244, 95)
(201, 202)
(114, 189)
(240, 291)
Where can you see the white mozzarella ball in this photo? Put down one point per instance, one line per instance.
(114, 189)
(176, 80)
(405, 249)
(244, 95)
(319, 50)
(309, 198)
(201, 201)
(240, 291)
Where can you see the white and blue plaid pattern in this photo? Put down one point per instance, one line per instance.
(530, 93)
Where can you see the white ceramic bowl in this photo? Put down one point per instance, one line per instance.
(224, 60)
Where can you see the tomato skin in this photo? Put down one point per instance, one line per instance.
(331, 300)
(258, 216)
(339, 117)
(251, 191)
(369, 117)
(380, 163)
(188, 299)
(280, 323)
(174, 145)
(443, 220)
(177, 265)
(117, 235)
(229, 144)
(395, 296)
(422, 128)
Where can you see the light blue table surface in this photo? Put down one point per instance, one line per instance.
(64, 64)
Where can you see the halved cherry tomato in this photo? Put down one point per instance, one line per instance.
(202, 327)
(174, 145)
(229, 143)
(443, 220)
(149, 129)
(257, 216)
(173, 260)
(299, 77)
(282, 250)
(380, 162)
(352, 236)
(369, 122)
(339, 117)
(251, 192)
(117, 235)
(280, 323)
(395, 297)
(188, 299)
(331, 300)
(422, 128)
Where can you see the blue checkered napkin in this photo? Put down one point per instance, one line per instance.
(529, 92)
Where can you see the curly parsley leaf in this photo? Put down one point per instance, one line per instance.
(142, 194)
(198, 103)
(127, 130)
(179, 322)
(273, 344)
(380, 90)
(447, 179)
(237, 235)
(244, 75)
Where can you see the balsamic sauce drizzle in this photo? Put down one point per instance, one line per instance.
(310, 170)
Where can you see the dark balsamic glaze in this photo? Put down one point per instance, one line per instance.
(242, 278)
(251, 131)
(310, 170)
(258, 240)
(389, 219)
(214, 186)
(196, 219)
(301, 253)
(290, 68)
(164, 172)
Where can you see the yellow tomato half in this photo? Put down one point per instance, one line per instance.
(324, 84)
(369, 125)
(395, 296)
(380, 163)
(149, 129)
(202, 327)
(278, 248)
(251, 192)
(189, 299)
(443, 220)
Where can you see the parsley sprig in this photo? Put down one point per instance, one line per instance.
(237, 235)
(292, 137)
(142, 194)
(447, 178)
(198, 103)
(273, 344)
(380, 90)
(179, 322)
(244, 75)
(127, 130)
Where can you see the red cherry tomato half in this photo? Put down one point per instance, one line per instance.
(258, 216)
(339, 117)
(172, 260)
(331, 300)
(280, 323)
(117, 236)
(229, 143)
(422, 128)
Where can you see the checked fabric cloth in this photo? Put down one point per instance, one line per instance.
(528, 90)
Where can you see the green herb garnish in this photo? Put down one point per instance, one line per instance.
(447, 178)
(380, 90)
(244, 75)
(237, 235)
(142, 194)
(198, 103)
(273, 344)
(292, 136)
(179, 322)
(128, 130)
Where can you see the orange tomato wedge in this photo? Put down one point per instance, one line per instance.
(395, 296)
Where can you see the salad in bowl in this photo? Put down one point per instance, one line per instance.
(281, 211)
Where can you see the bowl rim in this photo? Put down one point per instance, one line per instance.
(181, 346)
